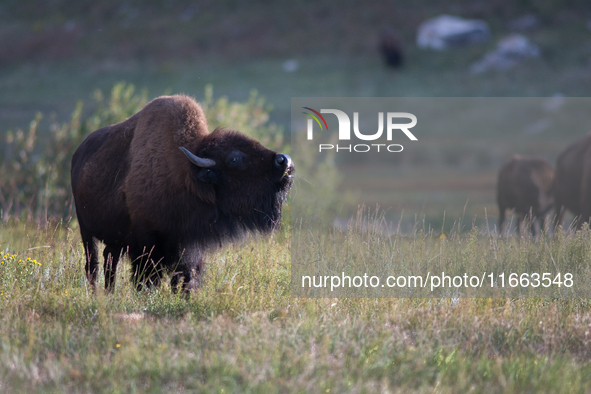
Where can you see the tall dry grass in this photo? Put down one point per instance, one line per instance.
(243, 332)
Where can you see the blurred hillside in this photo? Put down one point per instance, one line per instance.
(182, 30)
(55, 52)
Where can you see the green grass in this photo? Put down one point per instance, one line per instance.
(242, 331)
(381, 259)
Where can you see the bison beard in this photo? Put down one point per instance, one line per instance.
(161, 188)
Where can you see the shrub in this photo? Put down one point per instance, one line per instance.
(35, 179)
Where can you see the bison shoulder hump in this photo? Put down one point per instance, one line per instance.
(179, 116)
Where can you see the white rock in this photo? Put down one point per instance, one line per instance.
(517, 45)
(448, 31)
(510, 51)
(290, 65)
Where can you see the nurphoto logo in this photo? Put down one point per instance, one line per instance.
(344, 131)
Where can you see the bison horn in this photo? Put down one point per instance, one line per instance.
(198, 161)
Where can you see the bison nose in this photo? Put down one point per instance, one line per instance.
(284, 162)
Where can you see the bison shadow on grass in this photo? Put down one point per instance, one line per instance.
(163, 189)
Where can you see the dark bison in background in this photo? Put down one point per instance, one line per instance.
(572, 186)
(390, 47)
(162, 188)
(525, 185)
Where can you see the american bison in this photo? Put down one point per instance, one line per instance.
(390, 47)
(572, 186)
(525, 185)
(162, 188)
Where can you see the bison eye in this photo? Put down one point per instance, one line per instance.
(236, 160)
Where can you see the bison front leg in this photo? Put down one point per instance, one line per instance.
(532, 226)
(111, 256)
(558, 215)
(189, 274)
(501, 219)
(542, 222)
(520, 220)
(147, 270)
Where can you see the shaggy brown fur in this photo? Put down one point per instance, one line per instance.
(572, 188)
(136, 191)
(525, 184)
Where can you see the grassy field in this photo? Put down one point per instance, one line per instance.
(242, 331)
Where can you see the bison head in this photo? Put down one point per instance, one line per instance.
(246, 182)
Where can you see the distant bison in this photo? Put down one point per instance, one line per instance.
(161, 188)
(572, 187)
(390, 47)
(525, 185)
